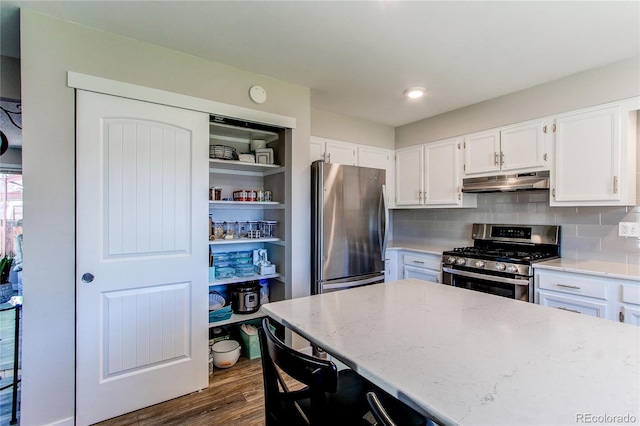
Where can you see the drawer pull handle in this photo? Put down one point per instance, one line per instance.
(418, 261)
(574, 287)
(570, 310)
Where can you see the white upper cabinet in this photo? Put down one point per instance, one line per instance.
(430, 175)
(523, 147)
(595, 153)
(316, 149)
(332, 151)
(518, 149)
(379, 158)
(409, 170)
(443, 173)
(338, 152)
(482, 153)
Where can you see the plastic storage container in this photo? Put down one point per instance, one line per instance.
(242, 257)
(222, 273)
(230, 230)
(245, 270)
(269, 228)
(253, 230)
(250, 344)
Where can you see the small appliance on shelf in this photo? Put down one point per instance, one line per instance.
(262, 265)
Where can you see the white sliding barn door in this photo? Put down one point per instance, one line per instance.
(141, 254)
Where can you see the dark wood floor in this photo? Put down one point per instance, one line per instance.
(234, 397)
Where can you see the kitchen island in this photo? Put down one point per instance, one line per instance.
(464, 357)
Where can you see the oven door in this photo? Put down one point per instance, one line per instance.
(512, 287)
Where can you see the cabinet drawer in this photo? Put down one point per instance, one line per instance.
(425, 274)
(573, 284)
(631, 294)
(423, 260)
(571, 304)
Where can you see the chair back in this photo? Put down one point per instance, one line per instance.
(378, 411)
(282, 406)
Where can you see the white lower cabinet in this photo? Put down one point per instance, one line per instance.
(571, 303)
(391, 266)
(629, 310)
(603, 297)
(423, 266)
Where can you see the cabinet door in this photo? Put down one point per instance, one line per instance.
(442, 174)
(523, 147)
(482, 153)
(409, 166)
(379, 158)
(630, 314)
(587, 157)
(573, 304)
(340, 153)
(390, 266)
(316, 149)
(630, 309)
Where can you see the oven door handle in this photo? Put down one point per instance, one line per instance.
(486, 277)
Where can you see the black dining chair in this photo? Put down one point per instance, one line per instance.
(328, 397)
(379, 413)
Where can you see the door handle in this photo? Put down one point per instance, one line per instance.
(87, 277)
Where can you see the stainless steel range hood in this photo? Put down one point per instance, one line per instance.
(504, 183)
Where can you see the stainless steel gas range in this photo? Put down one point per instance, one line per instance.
(501, 259)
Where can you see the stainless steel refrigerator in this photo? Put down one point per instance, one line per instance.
(349, 218)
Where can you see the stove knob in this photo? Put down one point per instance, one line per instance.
(479, 264)
(461, 261)
(451, 260)
(512, 268)
(500, 266)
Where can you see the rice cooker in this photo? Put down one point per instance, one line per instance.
(245, 299)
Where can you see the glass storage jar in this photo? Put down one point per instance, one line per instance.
(218, 229)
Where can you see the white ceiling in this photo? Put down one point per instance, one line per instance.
(358, 57)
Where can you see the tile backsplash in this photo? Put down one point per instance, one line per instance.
(588, 233)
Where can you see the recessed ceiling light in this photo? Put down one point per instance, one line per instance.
(415, 92)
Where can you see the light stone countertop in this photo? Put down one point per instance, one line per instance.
(465, 357)
(593, 267)
(421, 248)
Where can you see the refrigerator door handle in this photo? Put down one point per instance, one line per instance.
(384, 222)
(348, 284)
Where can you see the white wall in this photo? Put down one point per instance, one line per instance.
(593, 87)
(49, 48)
(334, 126)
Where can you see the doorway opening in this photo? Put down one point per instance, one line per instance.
(11, 209)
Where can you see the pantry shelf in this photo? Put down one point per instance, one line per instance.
(234, 166)
(246, 204)
(236, 318)
(242, 279)
(244, 241)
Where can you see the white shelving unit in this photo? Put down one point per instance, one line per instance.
(230, 175)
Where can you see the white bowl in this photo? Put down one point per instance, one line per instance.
(225, 353)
